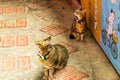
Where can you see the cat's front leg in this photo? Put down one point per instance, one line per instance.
(45, 77)
(77, 36)
(82, 36)
(51, 73)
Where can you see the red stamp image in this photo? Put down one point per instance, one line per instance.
(23, 63)
(1, 41)
(0, 62)
(20, 9)
(8, 41)
(21, 23)
(22, 40)
(8, 24)
(1, 10)
(8, 63)
(9, 9)
(1, 23)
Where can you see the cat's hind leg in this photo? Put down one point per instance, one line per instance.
(77, 36)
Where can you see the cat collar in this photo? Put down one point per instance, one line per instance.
(42, 57)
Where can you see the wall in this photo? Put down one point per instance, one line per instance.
(103, 19)
(93, 16)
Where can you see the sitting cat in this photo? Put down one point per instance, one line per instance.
(79, 29)
(52, 57)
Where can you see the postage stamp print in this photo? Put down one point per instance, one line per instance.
(8, 41)
(23, 63)
(8, 63)
(21, 40)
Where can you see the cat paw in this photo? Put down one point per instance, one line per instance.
(82, 41)
(45, 78)
(51, 79)
(77, 39)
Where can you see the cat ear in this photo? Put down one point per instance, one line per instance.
(48, 40)
(80, 8)
(36, 42)
(84, 11)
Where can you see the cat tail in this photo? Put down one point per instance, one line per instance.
(71, 36)
(37, 73)
(72, 30)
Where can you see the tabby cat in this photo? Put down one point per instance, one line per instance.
(52, 57)
(79, 29)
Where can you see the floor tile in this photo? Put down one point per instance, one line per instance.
(19, 61)
(66, 71)
(53, 30)
(70, 48)
(47, 28)
(56, 31)
(70, 73)
(78, 75)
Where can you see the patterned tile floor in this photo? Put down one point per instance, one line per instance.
(21, 25)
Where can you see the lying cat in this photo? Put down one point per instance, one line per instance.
(52, 57)
(78, 29)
